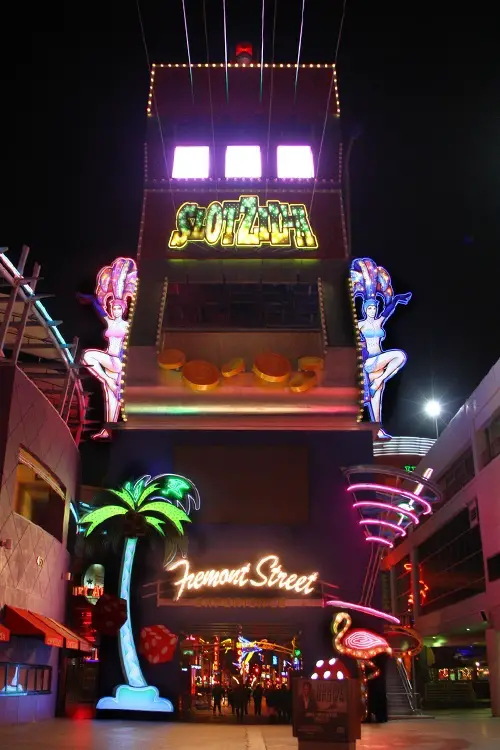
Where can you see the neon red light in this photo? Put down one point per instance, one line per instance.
(392, 491)
(385, 524)
(363, 640)
(366, 610)
(380, 540)
(388, 507)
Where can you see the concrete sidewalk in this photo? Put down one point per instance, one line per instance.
(451, 731)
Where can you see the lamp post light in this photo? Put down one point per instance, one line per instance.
(433, 409)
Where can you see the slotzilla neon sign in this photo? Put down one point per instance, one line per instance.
(267, 573)
(244, 223)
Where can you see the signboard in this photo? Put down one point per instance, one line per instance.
(267, 573)
(244, 223)
(326, 710)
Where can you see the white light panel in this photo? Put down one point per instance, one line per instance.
(295, 161)
(191, 161)
(243, 161)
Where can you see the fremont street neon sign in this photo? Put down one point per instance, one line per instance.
(267, 573)
(244, 223)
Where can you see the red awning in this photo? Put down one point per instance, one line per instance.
(23, 622)
(4, 634)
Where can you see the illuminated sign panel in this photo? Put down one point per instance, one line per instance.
(244, 223)
(267, 573)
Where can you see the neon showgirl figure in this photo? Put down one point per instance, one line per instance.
(116, 286)
(372, 284)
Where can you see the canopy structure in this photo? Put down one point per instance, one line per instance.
(30, 339)
(23, 622)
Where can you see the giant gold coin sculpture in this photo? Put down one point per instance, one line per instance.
(233, 367)
(171, 359)
(200, 375)
(272, 368)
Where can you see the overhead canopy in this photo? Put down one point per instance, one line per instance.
(4, 634)
(23, 622)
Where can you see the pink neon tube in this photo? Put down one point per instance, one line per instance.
(388, 507)
(386, 524)
(392, 491)
(362, 608)
(380, 540)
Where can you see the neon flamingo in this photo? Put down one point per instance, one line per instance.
(358, 643)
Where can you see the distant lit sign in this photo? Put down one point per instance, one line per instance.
(90, 592)
(244, 223)
(410, 468)
(267, 573)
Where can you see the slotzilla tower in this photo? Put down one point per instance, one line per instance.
(241, 371)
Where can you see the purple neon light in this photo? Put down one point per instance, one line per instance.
(388, 507)
(295, 161)
(386, 524)
(380, 540)
(366, 610)
(392, 491)
(191, 161)
(243, 161)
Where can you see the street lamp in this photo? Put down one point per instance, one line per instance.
(433, 409)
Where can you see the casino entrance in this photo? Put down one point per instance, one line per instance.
(239, 671)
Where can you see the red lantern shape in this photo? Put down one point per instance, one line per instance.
(157, 644)
(109, 614)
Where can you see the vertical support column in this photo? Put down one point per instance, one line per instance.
(415, 585)
(24, 317)
(12, 300)
(493, 656)
(394, 596)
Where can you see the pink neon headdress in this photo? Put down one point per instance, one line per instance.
(117, 283)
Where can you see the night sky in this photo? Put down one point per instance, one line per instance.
(419, 79)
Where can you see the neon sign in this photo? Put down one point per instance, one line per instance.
(244, 223)
(115, 291)
(372, 284)
(267, 573)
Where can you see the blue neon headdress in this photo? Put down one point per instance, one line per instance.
(370, 281)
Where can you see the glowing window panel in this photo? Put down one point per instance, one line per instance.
(295, 161)
(243, 161)
(191, 161)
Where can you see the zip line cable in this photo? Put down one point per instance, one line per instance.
(271, 91)
(225, 49)
(148, 60)
(156, 111)
(332, 83)
(299, 51)
(188, 50)
(262, 53)
(210, 90)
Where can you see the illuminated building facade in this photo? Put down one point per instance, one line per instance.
(42, 407)
(242, 373)
(457, 555)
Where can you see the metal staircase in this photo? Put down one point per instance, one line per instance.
(402, 701)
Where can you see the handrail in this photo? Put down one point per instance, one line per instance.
(407, 686)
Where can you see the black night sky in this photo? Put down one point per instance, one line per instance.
(420, 79)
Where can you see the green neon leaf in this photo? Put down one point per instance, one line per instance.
(96, 517)
(156, 523)
(125, 495)
(176, 487)
(150, 489)
(176, 516)
(138, 488)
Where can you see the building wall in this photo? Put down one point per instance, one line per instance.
(32, 573)
(467, 430)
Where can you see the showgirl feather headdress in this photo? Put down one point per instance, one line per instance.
(117, 283)
(370, 281)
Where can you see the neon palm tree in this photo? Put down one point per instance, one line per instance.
(148, 504)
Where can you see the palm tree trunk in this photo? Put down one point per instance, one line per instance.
(128, 654)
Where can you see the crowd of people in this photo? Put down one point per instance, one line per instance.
(278, 701)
